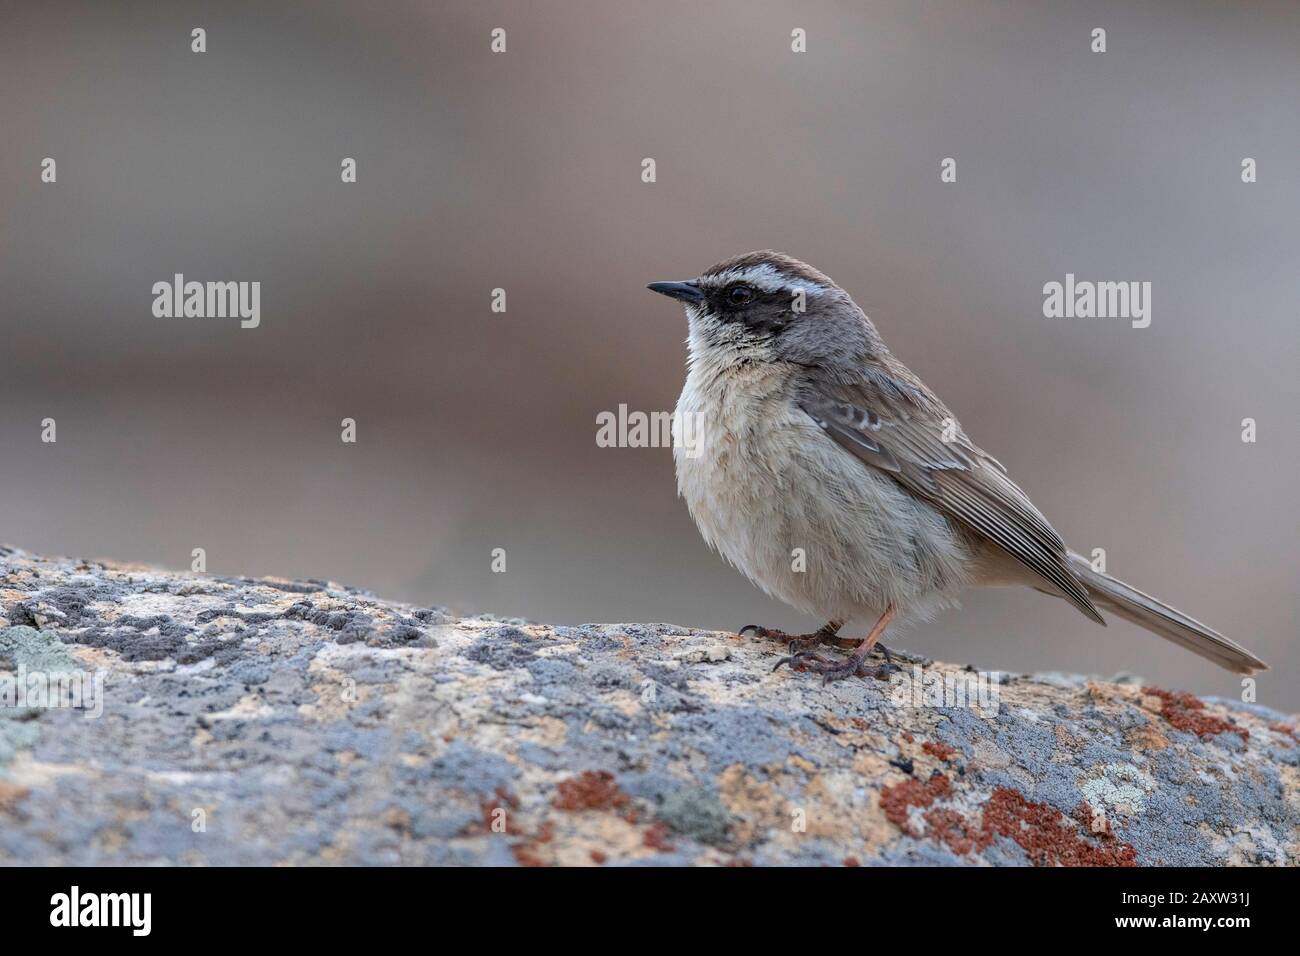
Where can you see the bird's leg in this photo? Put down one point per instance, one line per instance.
(838, 670)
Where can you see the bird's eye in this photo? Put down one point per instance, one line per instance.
(739, 295)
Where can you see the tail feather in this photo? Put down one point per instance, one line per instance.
(1159, 618)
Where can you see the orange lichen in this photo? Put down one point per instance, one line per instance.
(1284, 729)
(1185, 712)
(656, 838)
(896, 801)
(526, 856)
(590, 790)
(526, 851)
(949, 827)
(941, 751)
(1098, 824)
(1046, 834)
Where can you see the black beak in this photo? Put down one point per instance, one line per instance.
(686, 291)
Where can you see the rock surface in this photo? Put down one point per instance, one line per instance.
(263, 721)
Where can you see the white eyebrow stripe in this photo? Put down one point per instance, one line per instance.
(766, 278)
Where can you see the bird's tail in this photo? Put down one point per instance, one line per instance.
(1128, 602)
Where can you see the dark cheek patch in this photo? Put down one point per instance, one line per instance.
(768, 313)
(773, 314)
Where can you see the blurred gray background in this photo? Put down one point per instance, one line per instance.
(522, 170)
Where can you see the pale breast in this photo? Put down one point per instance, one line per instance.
(806, 522)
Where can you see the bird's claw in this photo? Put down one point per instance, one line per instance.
(797, 659)
(833, 671)
(792, 641)
(849, 667)
(770, 632)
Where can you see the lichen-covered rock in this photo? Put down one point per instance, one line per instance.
(227, 721)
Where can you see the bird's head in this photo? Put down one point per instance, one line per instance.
(769, 307)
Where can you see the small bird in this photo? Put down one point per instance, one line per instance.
(836, 481)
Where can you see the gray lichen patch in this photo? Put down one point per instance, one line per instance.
(268, 721)
(33, 650)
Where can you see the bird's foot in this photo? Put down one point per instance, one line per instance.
(833, 670)
(852, 666)
(759, 631)
(801, 660)
(855, 662)
(791, 641)
(887, 655)
(894, 656)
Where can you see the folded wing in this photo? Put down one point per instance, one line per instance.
(891, 422)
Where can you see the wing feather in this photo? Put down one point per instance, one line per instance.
(890, 421)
